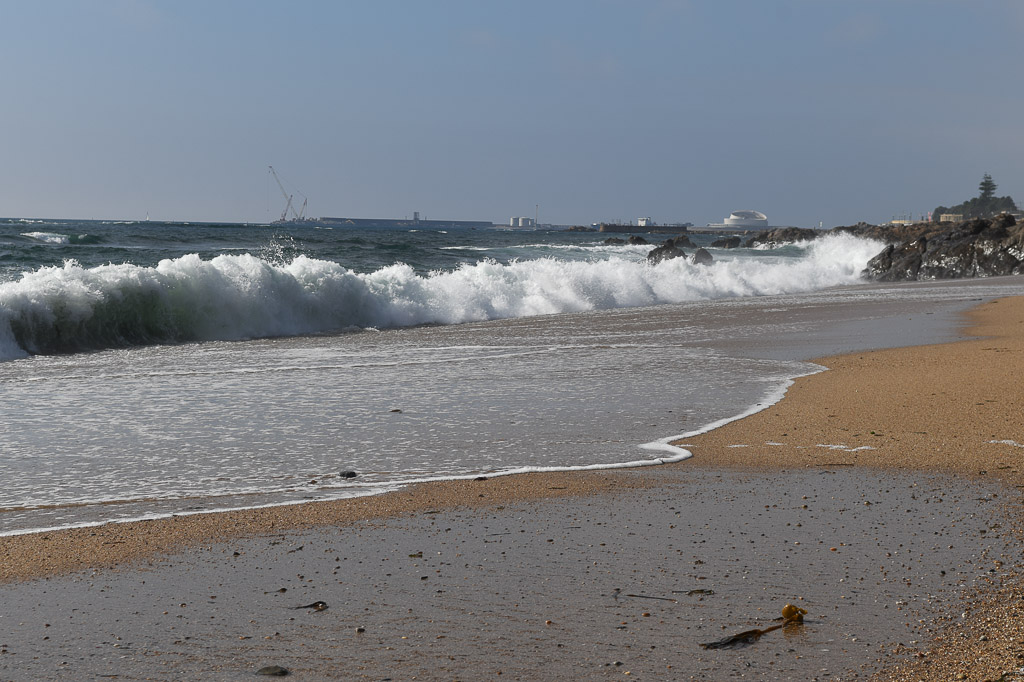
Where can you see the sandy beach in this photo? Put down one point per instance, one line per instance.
(882, 495)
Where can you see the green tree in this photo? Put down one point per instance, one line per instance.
(987, 188)
(985, 205)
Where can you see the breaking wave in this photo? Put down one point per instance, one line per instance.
(54, 238)
(233, 297)
(47, 237)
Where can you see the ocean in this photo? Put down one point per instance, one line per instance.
(151, 369)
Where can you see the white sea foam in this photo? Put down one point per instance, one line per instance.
(776, 393)
(61, 309)
(48, 237)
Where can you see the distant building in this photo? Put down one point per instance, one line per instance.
(747, 219)
(521, 222)
(743, 221)
(951, 218)
(645, 222)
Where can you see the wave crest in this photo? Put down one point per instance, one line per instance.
(232, 297)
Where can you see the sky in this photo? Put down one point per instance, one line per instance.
(578, 111)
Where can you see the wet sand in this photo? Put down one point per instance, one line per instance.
(956, 408)
(587, 587)
(883, 545)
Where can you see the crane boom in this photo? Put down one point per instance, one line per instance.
(288, 198)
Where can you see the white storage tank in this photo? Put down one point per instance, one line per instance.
(747, 219)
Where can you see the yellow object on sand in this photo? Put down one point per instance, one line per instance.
(790, 612)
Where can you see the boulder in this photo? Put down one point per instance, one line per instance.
(614, 241)
(732, 242)
(636, 240)
(682, 241)
(666, 251)
(702, 257)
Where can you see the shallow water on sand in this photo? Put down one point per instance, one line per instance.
(124, 434)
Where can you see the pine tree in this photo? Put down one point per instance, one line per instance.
(985, 205)
(987, 188)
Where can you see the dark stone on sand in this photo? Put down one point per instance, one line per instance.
(666, 251)
(732, 242)
(975, 248)
(348, 474)
(702, 257)
(273, 671)
(782, 235)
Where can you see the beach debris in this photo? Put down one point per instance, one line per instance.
(397, 411)
(742, 639)
(691, 593)
(647, 596)
(416, 555)
(791, 615)
(297, 549)
(347, 474)
(316, 606)
(273, 671)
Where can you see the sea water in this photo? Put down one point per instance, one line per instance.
(156, 369)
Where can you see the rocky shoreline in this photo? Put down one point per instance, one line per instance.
(979, 248)
(983, 247)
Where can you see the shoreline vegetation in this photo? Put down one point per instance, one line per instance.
(944, 409)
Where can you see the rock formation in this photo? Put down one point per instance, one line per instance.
(782, 235)
(732, 242)
(666, 251)
(977, 248)
(702, 257)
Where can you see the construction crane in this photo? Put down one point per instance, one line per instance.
(288, 199)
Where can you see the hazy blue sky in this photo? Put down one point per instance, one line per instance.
(808, 110)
